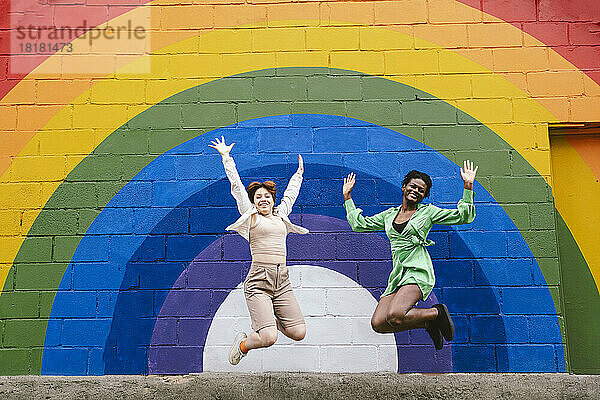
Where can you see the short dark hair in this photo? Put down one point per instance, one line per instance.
(414, 174)
(268, 185)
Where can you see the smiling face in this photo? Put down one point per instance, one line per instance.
(414, 191)
(263, 200)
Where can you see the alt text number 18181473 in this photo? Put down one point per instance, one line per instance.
(43, 47)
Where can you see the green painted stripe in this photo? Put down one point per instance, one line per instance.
(193, 112)
(581, 304)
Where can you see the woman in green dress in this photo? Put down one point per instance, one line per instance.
(412, 277)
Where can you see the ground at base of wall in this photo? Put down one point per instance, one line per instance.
(305, 386)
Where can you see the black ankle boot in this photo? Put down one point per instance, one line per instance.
(443, 322)
(436, 335)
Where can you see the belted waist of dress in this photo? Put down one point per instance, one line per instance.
(419, 241)
(414, 242)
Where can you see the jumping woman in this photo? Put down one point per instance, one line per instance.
(271, 302)
(412, 277)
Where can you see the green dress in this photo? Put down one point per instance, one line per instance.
(410, 259)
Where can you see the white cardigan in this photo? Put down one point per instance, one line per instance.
(246, 208)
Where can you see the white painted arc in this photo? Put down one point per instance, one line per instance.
(339, 337)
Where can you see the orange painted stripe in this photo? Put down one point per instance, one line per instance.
(588, 148)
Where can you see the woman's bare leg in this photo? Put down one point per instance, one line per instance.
(396, 312)
(263, 338)
(296, 333)
(379, 319)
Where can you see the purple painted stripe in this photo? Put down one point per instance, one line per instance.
(182, 326)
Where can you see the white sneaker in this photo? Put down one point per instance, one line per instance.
(235, 354)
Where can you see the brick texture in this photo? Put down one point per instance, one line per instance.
(463, 79)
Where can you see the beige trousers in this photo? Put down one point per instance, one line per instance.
(270, 298)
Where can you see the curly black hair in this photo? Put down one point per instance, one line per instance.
(414, 174)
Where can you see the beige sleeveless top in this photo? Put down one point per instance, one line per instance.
(267, 240)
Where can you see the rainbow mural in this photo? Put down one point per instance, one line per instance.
(114, 254)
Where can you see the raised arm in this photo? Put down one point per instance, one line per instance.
(292, 191)
(467, 173)
(237, 188)
(464, 213)
(357, 222)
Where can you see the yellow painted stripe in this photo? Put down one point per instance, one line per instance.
(187, 69)
(579, 202)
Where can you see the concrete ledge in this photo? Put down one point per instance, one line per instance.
(305, 386)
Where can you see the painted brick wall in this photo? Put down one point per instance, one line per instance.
(113, 209)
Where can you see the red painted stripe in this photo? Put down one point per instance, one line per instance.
(40, 13)
(571, 28)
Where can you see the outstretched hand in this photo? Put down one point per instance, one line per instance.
(349, 182)
(221, 146)
(468, 174)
